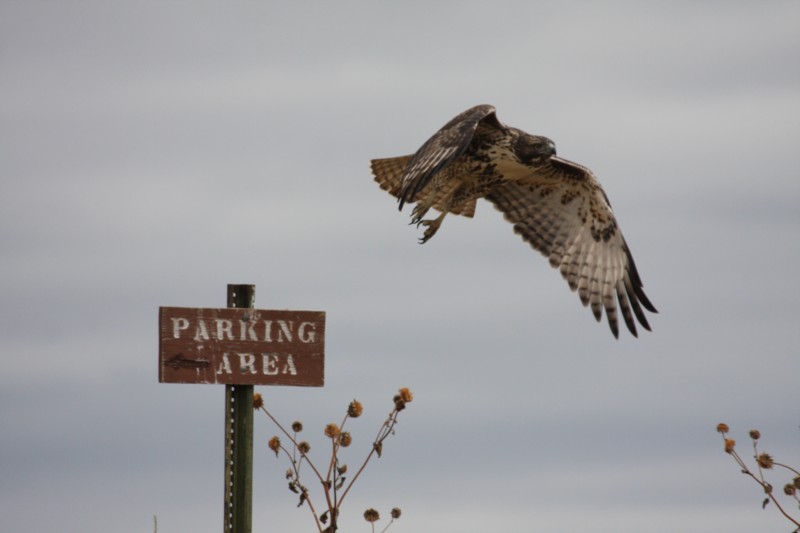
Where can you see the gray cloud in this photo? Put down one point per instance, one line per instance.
(153, 153)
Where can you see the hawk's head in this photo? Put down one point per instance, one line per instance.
(533, 150)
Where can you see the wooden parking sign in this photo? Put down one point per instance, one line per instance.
(241, 346)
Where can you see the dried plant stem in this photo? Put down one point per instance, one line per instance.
(764, 485)
(768, 487)
(335, 475)
(294, 442)
(332, 483)
(383, 432)
(296, 468)
(787, 467)
(335, 449)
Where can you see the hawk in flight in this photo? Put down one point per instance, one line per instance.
(555, 205)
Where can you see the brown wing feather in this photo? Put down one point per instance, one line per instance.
(444, 147)
(562, 211)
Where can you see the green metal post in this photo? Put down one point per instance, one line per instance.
(239, 437)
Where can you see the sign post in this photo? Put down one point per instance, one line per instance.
(239, 437)
(240, 346)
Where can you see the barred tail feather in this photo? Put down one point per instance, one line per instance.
(389, 173)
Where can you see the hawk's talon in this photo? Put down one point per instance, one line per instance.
(431, 227)
(417, 214)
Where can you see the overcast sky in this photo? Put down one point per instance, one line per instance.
(153, 152)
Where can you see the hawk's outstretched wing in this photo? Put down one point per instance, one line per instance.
(562, 211)
(442, 149)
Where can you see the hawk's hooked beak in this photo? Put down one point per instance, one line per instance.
(544, 148)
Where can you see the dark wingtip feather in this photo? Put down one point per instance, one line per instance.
(645, 301)
(614, 328)
(635, 289)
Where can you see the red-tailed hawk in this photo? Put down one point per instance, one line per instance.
(555, 205)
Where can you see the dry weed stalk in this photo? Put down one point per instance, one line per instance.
(764, 461)
(332, 477)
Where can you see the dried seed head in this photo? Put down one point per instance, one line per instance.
(258, 401)
(304, 447)
(796, 482)
(406, 395)
(399, 404)
(355, 409)
(722, 428)
(789, 489)
(396, 513)
(274, 445)
(755, 434)
(345, 439)
(297, 426)
(332, 431)
(342, 469)
(729, 445)
(371, 515)
(764, 460)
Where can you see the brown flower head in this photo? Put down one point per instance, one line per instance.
(297, 426)
(789, 489)
(274, 445)
(258, 401)
(355, 409)
(371, 515)
(722, 428)
(764, 460)
(729, 445)
(406, 395)
(345, 439)
(332, 431)
(396, 513)
(755, 434)
(304, 447)
(796, 482)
